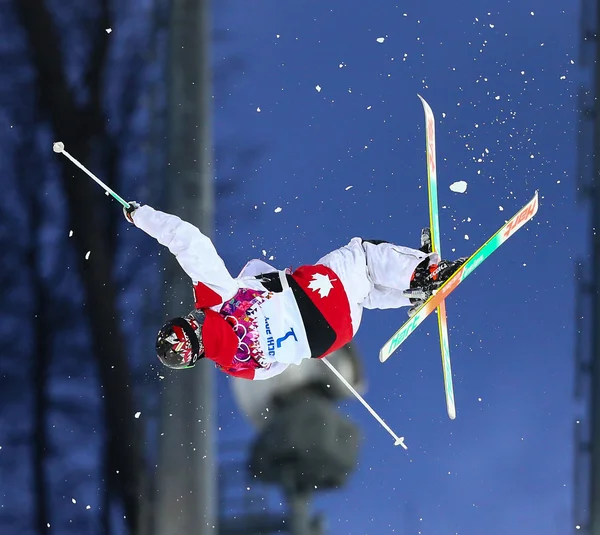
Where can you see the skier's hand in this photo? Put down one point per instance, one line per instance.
(128, 212)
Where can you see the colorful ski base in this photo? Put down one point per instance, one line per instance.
(434, 225)
(506, 231)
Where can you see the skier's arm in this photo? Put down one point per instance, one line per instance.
(194, 251)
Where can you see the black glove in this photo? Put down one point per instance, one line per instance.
(128, 212)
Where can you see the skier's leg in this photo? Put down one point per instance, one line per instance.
(391, 267)
(374, 273)
(349, 263)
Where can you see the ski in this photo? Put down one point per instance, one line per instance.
(434, 225)
(506, 231)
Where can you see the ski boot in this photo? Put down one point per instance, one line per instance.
(427, 278)
(425, 240)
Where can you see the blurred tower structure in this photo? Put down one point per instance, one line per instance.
(304, 446)
(587, 388)
(186, 488)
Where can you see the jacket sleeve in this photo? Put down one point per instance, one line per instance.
(195, 253)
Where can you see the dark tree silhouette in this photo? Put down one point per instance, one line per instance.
(82, 127)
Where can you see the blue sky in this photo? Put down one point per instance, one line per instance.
(502, 79)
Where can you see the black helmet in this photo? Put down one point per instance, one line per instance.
(179, 342)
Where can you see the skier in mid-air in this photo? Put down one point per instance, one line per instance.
(256, 325)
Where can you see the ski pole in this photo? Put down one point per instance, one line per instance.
(59, 148)
(399, 441)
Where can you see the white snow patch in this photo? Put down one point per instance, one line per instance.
(380, 39)
(459, 187)
(137, 414)
(278, 209)
(318, 88)
(87, 255)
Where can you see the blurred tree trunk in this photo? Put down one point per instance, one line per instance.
(41, 349)
(82, 128)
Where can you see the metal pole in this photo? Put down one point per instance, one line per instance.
(299, 515)
(186, 472)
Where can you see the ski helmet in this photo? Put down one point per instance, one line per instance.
(179, 342)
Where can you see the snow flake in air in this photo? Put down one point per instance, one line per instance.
(380, 39)
(318, 88)
(321, 283)
(459, 187)
(108, 30)
(278, 209)
(137, 414)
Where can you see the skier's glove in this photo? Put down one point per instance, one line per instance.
(128, 212)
